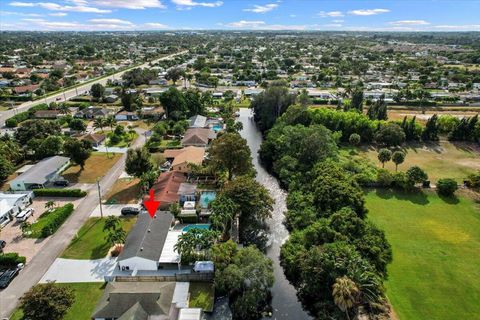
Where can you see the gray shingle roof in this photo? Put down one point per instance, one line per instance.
(135, 300)
(147, 237)
(198, 121)
(40, 172)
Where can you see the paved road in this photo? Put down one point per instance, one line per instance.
(37, 267)
(68, 94)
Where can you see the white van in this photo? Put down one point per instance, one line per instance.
(23, 216)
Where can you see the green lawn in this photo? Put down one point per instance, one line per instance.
(440, 160)
(86, 298)
(435, 272)
(202, 295)
(47, 218)
(90, 242)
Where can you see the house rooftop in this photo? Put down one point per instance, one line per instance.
(198, 121)
(38, 173)
(147, 238)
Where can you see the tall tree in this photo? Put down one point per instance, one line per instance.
(357, 100)
(384, 155)
(78, 151)
(97, 91)
(398, 157)
(138, 162)
(231, 153)
(47, 302)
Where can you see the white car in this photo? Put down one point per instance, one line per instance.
(23, 216)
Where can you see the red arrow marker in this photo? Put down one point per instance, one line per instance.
(151, 204)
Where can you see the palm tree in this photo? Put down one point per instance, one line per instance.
(99, 123)
(345, 294)
(223, 212)
(116, 236)
(64, 108)
(49, 205)
(111, 223)
(110, 121)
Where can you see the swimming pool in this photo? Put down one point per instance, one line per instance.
(217, 127)
(196, 226)
(206, 197)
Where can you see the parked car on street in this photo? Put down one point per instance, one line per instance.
(25, 214)
(61, 183)
(7, 277)
(130, 211)
(3, 243)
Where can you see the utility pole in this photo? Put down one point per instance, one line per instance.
(99, 198)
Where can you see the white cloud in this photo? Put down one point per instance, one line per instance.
(261, 25)
(367, 12)
(465, 27)
(156, 25)
(262, 9)
(58, 14)
(22, 4)
(293, 16)
(338, 20)
(11, 13)
(333, 14)
(410, 23)
(56, 7)
(192, 3)
(245, 24)
(111, 21)
(130, 4)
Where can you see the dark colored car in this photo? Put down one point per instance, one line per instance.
(61, 183)
(130, 211)
(7, 277)
(2, 245)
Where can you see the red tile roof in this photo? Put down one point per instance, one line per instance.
(166, 188)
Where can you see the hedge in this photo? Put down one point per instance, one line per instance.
(74, 193)
(11, 259)
(12, 122)
(55, 219)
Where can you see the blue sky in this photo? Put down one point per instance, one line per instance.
(390, 15)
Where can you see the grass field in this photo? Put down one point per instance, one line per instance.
(202, 295)
(47, 217)
(441, 160)
(90, 241)
(95, 167)
(86, 298)
(124, 191)
(435, 271)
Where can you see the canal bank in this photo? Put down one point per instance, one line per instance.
(285, 303)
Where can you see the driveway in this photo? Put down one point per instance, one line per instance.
(111, 149)
(111, 209)
(73, 270)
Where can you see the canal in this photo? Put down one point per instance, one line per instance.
(285, 303)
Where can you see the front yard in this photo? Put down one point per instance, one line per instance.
(86, 298)
(95, 167)
(126, 190)
(90, 242)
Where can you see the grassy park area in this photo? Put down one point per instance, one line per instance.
(95, 167)
(439, 160)
(435, 243)
(90, 242)
(86, 298)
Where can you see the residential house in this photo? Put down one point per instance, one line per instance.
(40, 174)
(150, 244)
(183, 157)
(197, 121)
(12, 203)
(26, 89)
(95, 139)
(146, 301)
(48, 114)
(93, 113)
(199, 137)
(166, 188)
(110, 98)
(126, 116)
(151, 112)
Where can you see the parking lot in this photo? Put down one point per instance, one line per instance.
(12, 234)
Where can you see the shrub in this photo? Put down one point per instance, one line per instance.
(12, 122)
(11, 259)
(354, 139)
(474, 181)
(74, 193)
(446, 187)
(385, 178)
(55, 219)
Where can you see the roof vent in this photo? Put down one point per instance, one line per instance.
(141, 249)
(149, 230)
(155, 217)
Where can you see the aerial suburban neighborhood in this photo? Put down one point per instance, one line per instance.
(239, 160)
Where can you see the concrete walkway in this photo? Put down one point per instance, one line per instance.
(73, 270)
